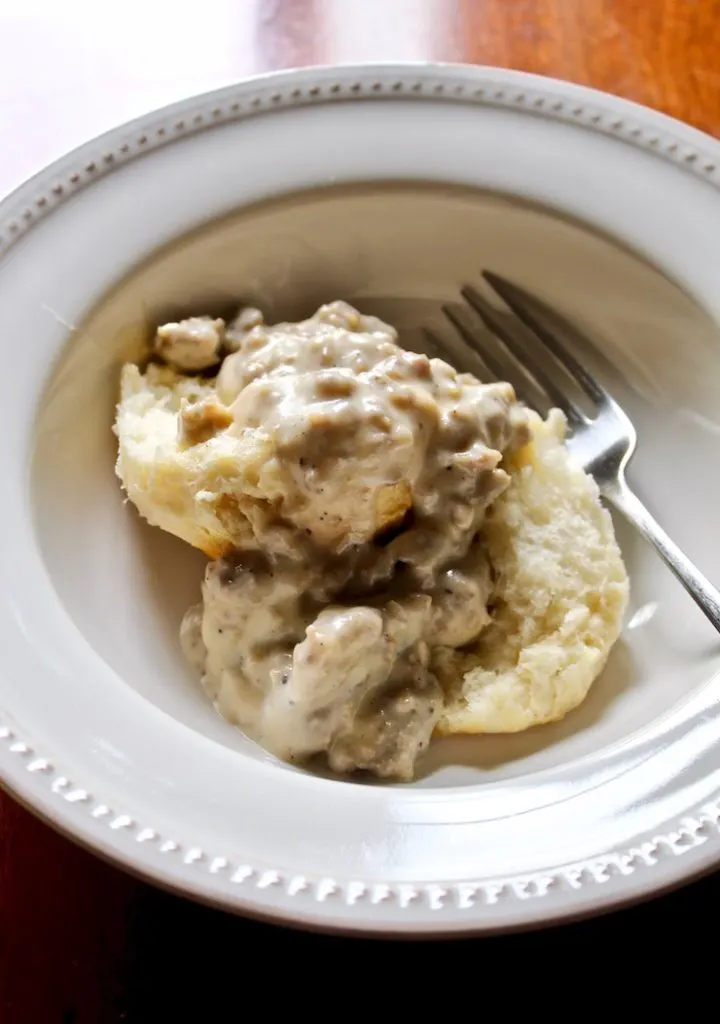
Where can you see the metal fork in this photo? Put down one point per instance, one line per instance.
(602, 441)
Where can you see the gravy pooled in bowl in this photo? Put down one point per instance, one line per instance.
(340, 485)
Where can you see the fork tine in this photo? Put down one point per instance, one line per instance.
(434, 343)
(500, 364)
(467, 352)
(495, 324)
(495, 369)
(528, 309)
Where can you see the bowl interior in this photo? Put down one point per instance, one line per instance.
(398, 251)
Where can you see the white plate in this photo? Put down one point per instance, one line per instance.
(104, 731)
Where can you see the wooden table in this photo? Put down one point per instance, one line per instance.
(79, 941)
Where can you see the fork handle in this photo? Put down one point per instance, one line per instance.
(697, 585)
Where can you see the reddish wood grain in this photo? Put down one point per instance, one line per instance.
(79, 941)
(659, 52)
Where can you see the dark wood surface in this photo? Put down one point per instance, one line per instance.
(81, 942)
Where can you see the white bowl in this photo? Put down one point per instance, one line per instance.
(390, 187)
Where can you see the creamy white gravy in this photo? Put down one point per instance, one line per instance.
(383, 463)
